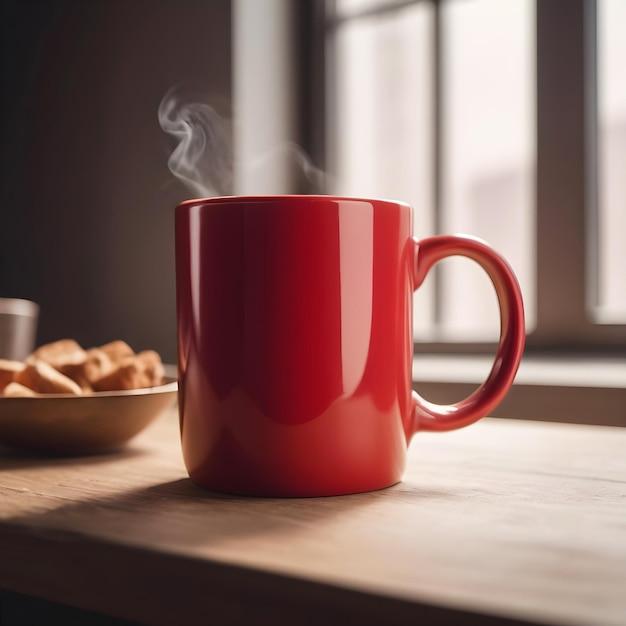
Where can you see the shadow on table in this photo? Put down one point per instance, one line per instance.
(11, 459)
(181, 514)
(173, 546)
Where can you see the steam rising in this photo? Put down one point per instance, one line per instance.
(303, 172)
(203, 157)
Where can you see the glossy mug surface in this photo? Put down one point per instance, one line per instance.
(295, 342)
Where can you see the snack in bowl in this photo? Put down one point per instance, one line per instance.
(15, 390)
(42, 377)
(8, 371)
(65, 367)
(67, 400)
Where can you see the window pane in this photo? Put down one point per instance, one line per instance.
(488, 154)
(346, 8)
(611, 161)
(383, 138)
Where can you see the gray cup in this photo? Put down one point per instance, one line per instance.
(18, 328)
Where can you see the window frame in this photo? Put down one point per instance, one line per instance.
(566, 192)
(565, 337)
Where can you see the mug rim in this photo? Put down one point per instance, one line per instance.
(287, 197)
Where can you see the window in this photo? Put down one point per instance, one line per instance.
(426, 112)
(506, 120)
(610, 296)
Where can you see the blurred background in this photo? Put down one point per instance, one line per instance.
(87, 200)
(505, 119)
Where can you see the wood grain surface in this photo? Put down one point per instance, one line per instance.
(503, 522)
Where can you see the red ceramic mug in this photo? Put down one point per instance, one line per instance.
(295, 342)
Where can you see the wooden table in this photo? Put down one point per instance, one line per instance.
(505, 522)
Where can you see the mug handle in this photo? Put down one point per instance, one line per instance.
(441, 417)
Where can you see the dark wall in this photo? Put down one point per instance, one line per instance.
(86, 198)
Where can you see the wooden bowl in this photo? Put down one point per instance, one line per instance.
(63, 424)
